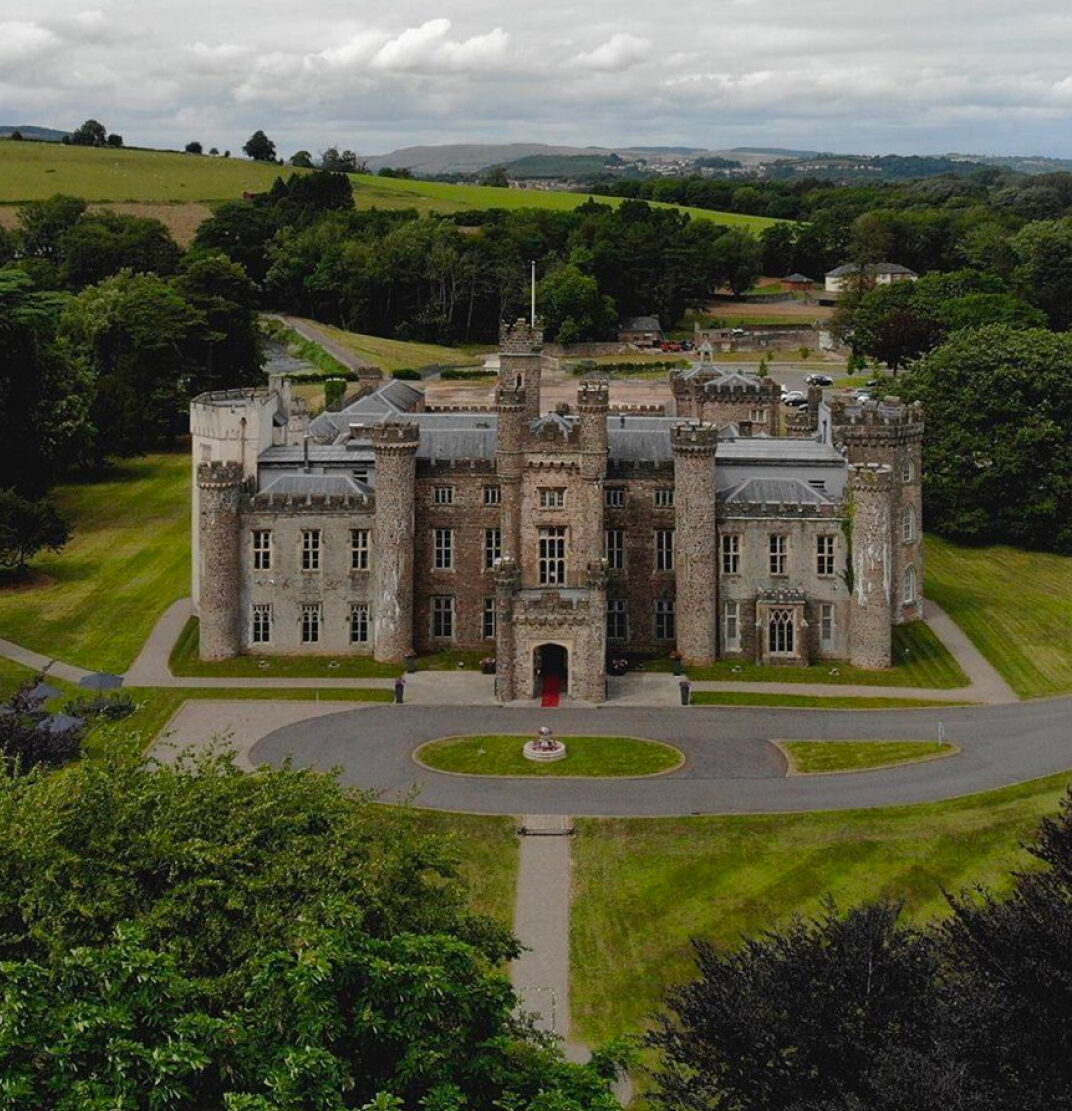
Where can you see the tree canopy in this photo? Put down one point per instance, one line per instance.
(192, 936)
(259, 147)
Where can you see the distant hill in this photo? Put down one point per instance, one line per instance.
(30, 131)
(469, 158)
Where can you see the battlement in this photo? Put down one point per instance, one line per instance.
(218, 475)
(520, 338)
(637, 409)
(891, 411)
(296, 503)
(593, 395)
(510, 397)
(395, 436)
(694, 437)
(777, 510)
(876, 477)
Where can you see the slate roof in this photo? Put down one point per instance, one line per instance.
(336, 484)
(641, 324)
(848, 268)
(776, 491)
(796, 278)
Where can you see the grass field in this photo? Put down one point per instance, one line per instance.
(396, 354)
(34, 171)
(500, 754)
(822, 757)
(1016, 606)
(127, 561)
(12, 676)
(370, 191)
(813, 702)
(643, 887)
(921, 660)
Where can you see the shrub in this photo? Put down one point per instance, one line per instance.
(407, 375)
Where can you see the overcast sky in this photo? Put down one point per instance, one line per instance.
(877, 76)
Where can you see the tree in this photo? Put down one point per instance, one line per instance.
(103, 243)
(27, 527)
(259, 147)
(43, 224)
(90, 134)
(345, 163)
(214, 151)
(115, 140)
(995, 460)
(739, 258)
(16, 136)
(194, 148)
(572, 306)
(802, 1018)
(497, 177)
(302, 159)
(44, 393)
(1044, 271)
(135, 334)
(242, 231)
(265, 940)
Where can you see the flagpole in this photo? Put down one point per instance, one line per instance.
(533, 309)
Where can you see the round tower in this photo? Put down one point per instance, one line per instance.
(593, 402)
(395, 448)
(520, 360)
(219, 488)
(695, 541)
(871, 494)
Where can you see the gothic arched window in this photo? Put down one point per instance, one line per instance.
(780, 632)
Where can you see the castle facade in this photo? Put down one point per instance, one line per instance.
(555, 540)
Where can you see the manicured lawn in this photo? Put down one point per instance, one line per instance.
(184, 661)
(487, 852)
(34, 171)
(127, 561)
(645, 886)
(819, 757)
(1016, 606)
(500, 754)
(377, 192)
(816, 702)
(12, 676)
(396, 354)
(920, 660)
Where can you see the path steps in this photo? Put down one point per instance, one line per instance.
(542, 924)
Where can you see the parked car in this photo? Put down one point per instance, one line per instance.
(862, 395)
(794, 398)
(687, 345)
(671, 345)
(818, 379)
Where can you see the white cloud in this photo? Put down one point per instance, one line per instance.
(427, 49)
(21, 43)
(620, 51)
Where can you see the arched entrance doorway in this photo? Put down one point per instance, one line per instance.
(551, 670)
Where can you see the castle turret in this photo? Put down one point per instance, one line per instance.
(395, 447)
(520, 357)
(870, 493)
(219, 488)
(593, 403)
(695, 558)
(891, 433)
(506, 583)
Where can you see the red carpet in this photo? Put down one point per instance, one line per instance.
(552, 690)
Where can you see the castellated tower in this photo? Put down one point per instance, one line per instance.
(219, 487)
(871, 494)
(520, 356)
(695, 558)
(395, 447)
(593, 403)
(891, 433)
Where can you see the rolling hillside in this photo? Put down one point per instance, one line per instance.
(34, 171)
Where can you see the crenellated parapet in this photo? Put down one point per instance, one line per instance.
(520, 338)
(395, 437)
(880, 423)
(692, 438)
(593, 397)
(218, 475)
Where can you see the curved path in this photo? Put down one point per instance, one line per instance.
(731, 765)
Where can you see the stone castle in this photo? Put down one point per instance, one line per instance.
(557, 540)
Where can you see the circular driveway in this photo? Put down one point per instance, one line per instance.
(731, 767)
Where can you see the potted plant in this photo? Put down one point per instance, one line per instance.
(675, 662)
(487, 665)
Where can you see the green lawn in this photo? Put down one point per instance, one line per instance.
(1016, 606)
(396, 354)
(34, 171)
(12, 676)
(643, 887)
(378, 192)
(500, 754)
(127, 561)
(920, 660)
(821, 757)
(813, 702)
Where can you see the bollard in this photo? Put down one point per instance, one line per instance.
(686, 692)
(400, 690)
